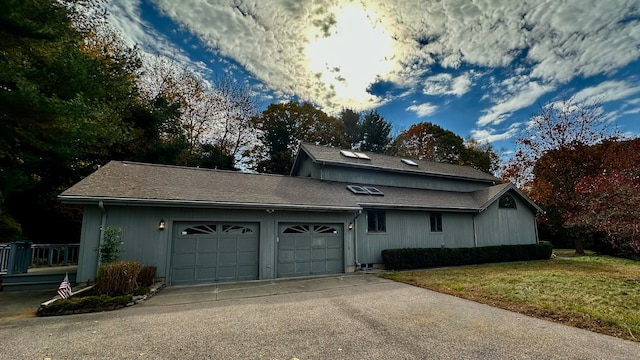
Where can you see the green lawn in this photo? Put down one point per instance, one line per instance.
(599, 293)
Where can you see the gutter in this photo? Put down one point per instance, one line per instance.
(70, 199)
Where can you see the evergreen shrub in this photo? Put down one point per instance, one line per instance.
(420, 258)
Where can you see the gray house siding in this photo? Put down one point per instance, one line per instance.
(497, 226)
(144, 242)
(411, 229)
(376, 177)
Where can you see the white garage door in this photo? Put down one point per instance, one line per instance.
(210, 252)
(310, 249)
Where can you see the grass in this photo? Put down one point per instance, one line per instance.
(594, 292)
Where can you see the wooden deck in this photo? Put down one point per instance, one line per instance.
(40, 278)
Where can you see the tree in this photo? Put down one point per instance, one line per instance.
(376, 132)
(63, 91)
(282, 126)
(427, 141)
(553, 153)
(607, 202)
(218, 114)
(353, 131)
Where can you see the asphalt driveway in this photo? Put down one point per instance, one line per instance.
(342, 317)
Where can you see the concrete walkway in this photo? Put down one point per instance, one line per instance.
(339, 317)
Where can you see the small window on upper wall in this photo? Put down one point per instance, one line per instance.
(436, 222)
(376, 222)
(507, 202)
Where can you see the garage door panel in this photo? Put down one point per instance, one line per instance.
(310, 249)
(207, 244)
(318, 254)
(207, 259)
(206, 273)
(334, 254)
(247, 244)
(334, 266)
(247, 258)
(184, 260)
(184, 274)
(303, 255)
(185, 246)
(209, 252)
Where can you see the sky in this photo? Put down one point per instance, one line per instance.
(480, 68)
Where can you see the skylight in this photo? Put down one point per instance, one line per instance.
(373, 190)
(354, 155)
(409, 162)
(365, 190)
(362, 156)
(356, 189)
(348, 154)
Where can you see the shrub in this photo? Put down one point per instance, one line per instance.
(396, 259)
(146, 276)
(111, 246)
(84, 305)
(10, 229)
(118, 278)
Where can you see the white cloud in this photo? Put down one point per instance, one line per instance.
(520, 93)
(271, 39)
(423, 110)
(490, 135)
(606, 91)
(446, 84)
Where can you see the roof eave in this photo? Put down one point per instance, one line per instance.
(417, 207)
(407, 171)
(72, 199)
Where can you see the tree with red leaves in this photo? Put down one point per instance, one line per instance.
(607, 203)
(554, 152)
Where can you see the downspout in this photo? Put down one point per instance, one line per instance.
(355, 238)
(475, 234)
(103, 224)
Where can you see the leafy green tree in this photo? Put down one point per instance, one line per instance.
(282, 126)
(376, 133)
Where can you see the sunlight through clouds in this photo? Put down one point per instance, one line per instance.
(351, 54)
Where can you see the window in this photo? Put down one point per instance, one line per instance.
(204, 229)
(436, 222)
(507, 202)
(376, 221)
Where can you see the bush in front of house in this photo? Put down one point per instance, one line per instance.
(146, 276)
(420, 258)
(118, 278)
(84, 305)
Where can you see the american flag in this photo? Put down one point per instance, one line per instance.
(64, 290)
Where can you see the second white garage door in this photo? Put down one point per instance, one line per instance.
(310, 249)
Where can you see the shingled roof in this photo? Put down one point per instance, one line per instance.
(149, 184)
(331, 155)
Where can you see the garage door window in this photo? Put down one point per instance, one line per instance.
(236, 229)
(307, 229)
(201, 229)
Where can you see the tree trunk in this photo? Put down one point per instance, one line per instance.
(579, 246)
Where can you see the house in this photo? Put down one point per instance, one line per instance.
(335, 213)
